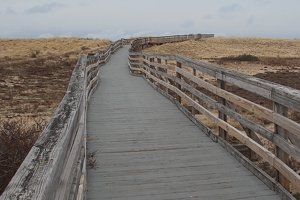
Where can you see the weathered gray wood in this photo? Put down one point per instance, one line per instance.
(139, 43)
(276, 139)
(178, 76)
(293, 150)
(194, 85)
(222, 85)
(282, 110)
(66, 179)
(270, 182)
(147, 149)
(161, 56)
(165, 66)
(294, 139)
(281, 94)
(247, 130)
(290, 174)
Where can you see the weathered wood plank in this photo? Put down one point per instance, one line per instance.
(252, 107)
(222, 85)
(67, 175)
(281, 110)
(287, 96)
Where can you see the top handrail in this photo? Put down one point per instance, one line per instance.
(138, 43)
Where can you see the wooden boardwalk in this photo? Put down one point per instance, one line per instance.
(148, 149)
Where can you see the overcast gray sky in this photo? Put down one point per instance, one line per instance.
(115, 19)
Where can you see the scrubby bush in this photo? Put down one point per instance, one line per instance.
(16, 139)
(243, 57)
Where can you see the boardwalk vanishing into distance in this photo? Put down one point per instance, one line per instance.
(146, 148)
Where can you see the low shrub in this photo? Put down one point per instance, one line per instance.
(243, 57)
(16, 139)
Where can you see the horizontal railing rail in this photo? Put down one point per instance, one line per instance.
(55, 167)
(178, 77)
(139, 43)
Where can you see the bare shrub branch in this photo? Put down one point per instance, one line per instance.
(16, 139)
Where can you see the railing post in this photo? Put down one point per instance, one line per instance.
(146, 70)
(178, 75)
(252, 155)
(194, 111)
(151, 67)
(282, 155)
(141, 64)
(159, 69)
(222, 132)
(166, 89)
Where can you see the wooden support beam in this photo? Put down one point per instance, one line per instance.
(144, 74)
(152, 67)
(248, 131)
(282, 155)
(178, 75)
(222, 132)
(159, 76)
(194, 111)
(166, 71)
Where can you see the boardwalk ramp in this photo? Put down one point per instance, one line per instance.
(146, 148)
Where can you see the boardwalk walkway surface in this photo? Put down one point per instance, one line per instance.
(148, 149)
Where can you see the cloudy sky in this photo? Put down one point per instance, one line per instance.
(115, 19)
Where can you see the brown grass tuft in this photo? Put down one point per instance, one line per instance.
(16, 139)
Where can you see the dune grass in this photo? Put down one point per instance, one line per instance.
(25, 48)
(218, 47)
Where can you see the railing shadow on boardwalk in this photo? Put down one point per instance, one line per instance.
(55, 168)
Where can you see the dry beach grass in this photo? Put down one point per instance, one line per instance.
(35, 73)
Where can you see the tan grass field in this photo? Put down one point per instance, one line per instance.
(35, 73)
(212, 49)
(25, 48)
(226, 46)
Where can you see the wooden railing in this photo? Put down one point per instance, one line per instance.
(55, 167)
(177, 77)
(140, 43)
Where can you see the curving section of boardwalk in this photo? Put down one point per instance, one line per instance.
(148, 149)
